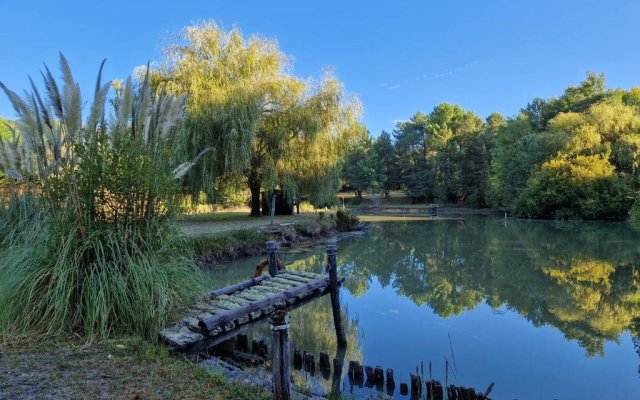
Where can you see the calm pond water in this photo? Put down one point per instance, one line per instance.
(546, 310)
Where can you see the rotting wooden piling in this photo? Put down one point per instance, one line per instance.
(272, 257)
(336, 379)
(368, 370)
(434, 390)
(391, 383)
(243, 343)
(281, 373)
(297, 359)
(404, 389)
(324, 363)
(378, 373)
(416, 385)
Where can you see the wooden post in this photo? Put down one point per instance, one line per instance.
(273, 257)
(280, 349)
(324, 362)
(297, 359)
(273, 206)
(378, 372)
(404, 389)
(243, 343)
(416, 385)
(336, 379)
(391, 383)
(335, 293)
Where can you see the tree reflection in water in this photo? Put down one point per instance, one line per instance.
(581, 278)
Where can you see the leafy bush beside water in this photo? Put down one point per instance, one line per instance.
(346, 222)
(53, 281)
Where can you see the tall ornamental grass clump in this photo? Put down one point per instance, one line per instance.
(86, 244)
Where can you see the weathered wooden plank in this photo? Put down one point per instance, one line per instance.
(285, 281)
(296, 278)
(191, 323)
(239, 286)
(265, 290)
(227, 305)
(280, 281)
(179, 337)
(213, 338)
(235, 300)
(210, 323)
(280, 286)
(252, 297)
(312, 275)
(201, 305)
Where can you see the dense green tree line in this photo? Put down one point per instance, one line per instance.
(572, 156)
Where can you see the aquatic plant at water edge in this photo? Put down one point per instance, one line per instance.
(87, 246)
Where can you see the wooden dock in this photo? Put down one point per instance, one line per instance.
(223, 313)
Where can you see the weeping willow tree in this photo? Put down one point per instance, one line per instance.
(267, 125)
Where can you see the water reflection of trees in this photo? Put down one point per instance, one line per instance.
(583, 278)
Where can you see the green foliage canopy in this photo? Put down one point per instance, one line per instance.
(276, 129)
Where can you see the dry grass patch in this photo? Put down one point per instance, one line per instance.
(115, 369)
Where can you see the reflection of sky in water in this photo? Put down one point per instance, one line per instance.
(457, 272)
(523, 361)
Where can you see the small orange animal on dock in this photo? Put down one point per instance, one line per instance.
(263, 264)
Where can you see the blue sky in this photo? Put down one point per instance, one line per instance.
(398, 57)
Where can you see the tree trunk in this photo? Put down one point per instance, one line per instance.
(254, 186)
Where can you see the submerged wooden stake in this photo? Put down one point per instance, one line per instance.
(416, 385)
(297, 359)
(243, 343)
(334, 288)
(391, 383)
(404, 389)
(378, 373)
(325, 365)
(280, 356)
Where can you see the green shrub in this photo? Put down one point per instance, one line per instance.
(634, 212)
(584, 187)
(346, 222)
(89, 248)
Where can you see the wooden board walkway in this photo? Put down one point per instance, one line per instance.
(223, 312)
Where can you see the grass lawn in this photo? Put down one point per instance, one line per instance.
(115, 369)
(226, 221)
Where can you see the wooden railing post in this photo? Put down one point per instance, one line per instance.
(280, 356)
(273, 207)
(335, 293)
(273, 257)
